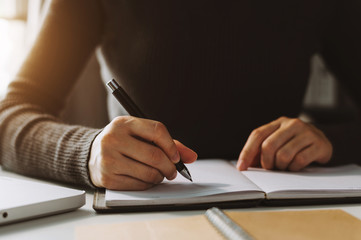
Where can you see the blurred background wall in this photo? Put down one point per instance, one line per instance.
(19, 24)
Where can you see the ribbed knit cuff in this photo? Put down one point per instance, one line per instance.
(38, 145)
(87, 149)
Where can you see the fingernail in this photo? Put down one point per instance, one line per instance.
(195, 154)
(240, 165)
(176, 157)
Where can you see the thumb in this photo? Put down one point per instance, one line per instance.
(187, 155)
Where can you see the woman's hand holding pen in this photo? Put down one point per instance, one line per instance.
(124, 158)
(285, 144)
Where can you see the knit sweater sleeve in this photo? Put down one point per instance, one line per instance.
(342, 54)
(33, 141)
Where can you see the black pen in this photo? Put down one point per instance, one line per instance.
(123, 98)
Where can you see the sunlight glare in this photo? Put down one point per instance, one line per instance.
(11, 50)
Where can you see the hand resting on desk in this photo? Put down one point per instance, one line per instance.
(285, 144)
(123, 157)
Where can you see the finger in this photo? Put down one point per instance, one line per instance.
(286, 153)
(252, 147)
(124, 183)
(256, 161)
(304, 158)
(288, 129)
(129, 167)
(187, 155)
(271, 144)
(155, 132)
(146, 153)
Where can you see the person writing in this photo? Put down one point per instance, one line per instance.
(225, 78)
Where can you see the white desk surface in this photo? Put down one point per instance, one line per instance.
(63, 226)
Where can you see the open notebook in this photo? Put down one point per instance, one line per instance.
(218, 181)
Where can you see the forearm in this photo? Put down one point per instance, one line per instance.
(35, 143)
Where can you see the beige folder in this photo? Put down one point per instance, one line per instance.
(314, 224)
